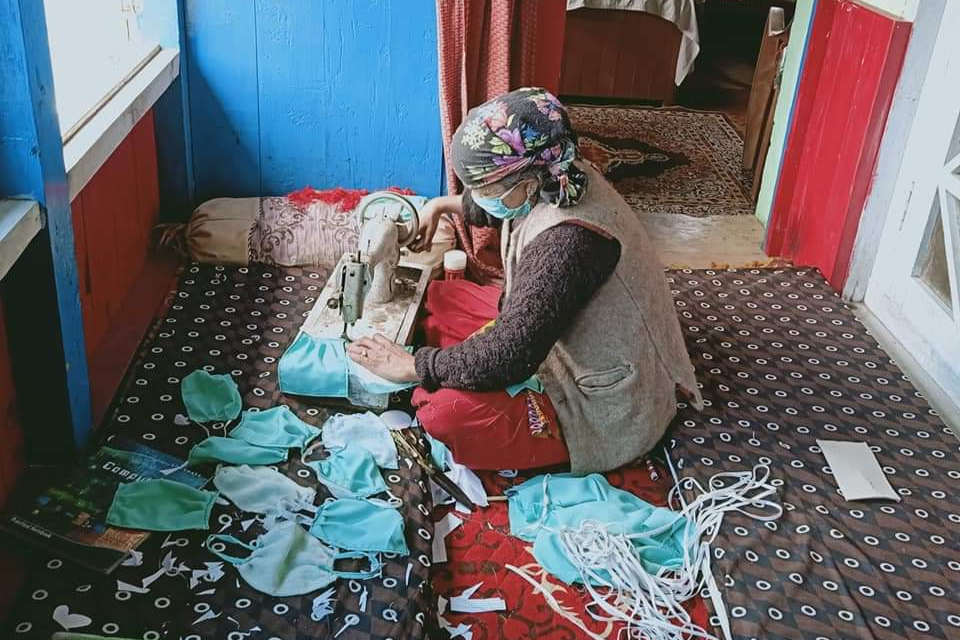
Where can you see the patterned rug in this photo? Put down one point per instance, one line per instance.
(667, 160)
(237, 321)
(783, 362)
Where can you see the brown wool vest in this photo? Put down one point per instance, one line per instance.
(613, 375)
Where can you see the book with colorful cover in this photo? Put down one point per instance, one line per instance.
(69, 517)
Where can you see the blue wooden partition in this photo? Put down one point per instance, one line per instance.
(284, 94)
(41, 297)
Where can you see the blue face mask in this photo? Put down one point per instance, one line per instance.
(315, 367)
(276, 427)
(160, 505)
(496, 208)
(366, 430)
(261, 490)
(360, 525)
(209, 398)
(320, 368)
(288, 561)
(349, 472)
(233, 451)
(543, 507)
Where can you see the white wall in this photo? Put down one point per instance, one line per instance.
(902, 9)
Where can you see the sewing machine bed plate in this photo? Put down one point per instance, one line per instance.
(395, 319)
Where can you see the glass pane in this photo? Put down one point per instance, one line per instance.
(932, 266)
(94, 45)
(954, 151)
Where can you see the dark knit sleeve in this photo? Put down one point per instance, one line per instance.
(558, 273)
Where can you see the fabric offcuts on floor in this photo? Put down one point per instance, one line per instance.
(176, 588)
(782, 362)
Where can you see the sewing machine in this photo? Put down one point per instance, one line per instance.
(373, 290)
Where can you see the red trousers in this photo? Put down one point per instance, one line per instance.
(483, 429)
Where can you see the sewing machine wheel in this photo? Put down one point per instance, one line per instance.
(407, 231)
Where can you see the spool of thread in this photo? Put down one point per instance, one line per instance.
(454, 264)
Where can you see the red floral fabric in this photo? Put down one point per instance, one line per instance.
(480, 549)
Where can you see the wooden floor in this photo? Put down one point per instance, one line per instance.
(702, 243)
(720, 82)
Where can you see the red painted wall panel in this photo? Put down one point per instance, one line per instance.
(850, 75)
(113, 215)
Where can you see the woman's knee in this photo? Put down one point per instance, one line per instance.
(436, 412)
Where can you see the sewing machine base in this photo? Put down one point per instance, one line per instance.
(395, 319)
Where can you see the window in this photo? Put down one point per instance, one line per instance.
(95, 47)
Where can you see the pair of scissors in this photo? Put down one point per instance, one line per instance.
(435, 473)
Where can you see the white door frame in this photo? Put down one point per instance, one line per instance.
(902, 302)
(900, 121)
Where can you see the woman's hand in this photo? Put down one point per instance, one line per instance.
(430, 220)
(384, 358)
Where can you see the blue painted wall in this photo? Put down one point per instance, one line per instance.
(283, 94)
(41, 294)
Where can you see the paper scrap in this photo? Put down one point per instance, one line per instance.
(125, 586)
(468, 481)
(466, 603)
(209, 615)
(441, 530)
(323, 605)
(67, 620)
(857, 472)
(153, 577)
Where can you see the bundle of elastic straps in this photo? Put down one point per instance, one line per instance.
(650, 606)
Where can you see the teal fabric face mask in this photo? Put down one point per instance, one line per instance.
(496, 208)
(321, 368)
(438, 452)
(210, 398)
(369, 382)
(360, 525)
(364, 429)
(315, 367)
(288, 561)
(528, 504)
(544, 509)
(160, 505)
(532, 383)
(349, 472)
(233, 451)
(276, 427)
(261, 490)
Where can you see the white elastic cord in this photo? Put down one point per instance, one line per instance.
(533, 528)
(650, 605)
(392, 501)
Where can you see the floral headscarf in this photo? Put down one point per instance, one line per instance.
(525, 129)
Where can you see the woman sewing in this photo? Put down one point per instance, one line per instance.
(579, 359)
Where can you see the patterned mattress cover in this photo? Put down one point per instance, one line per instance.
(784, 362)
(239, 320)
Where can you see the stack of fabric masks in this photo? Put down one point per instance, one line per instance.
(639, 563)
(299, 534)
(320, 368)
(301, 540)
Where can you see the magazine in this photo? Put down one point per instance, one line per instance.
(69, 517)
